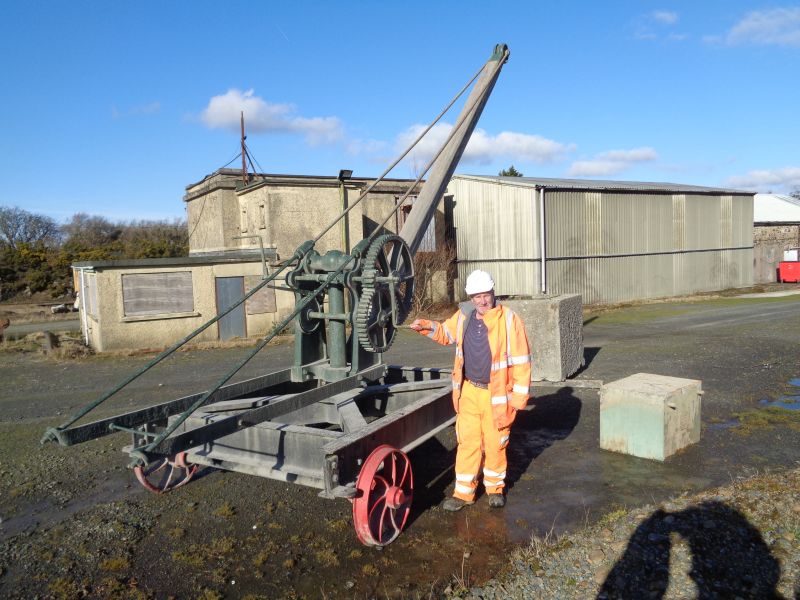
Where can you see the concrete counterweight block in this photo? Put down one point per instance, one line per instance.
(650, 416)
(554, 325)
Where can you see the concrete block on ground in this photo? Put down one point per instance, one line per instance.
(554, 324)
(650, 416)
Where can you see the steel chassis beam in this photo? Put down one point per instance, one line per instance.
(323, 444)
(159, 412)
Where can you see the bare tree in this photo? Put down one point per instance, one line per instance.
(18, 226)
(90, 231)
(431, 268)
(795, 193)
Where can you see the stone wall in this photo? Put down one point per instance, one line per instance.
(769, 242)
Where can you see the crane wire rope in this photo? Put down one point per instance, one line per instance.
(371, 186)
(466, 114)
(52, 433)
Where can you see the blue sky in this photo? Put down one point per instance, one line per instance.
(113, 108)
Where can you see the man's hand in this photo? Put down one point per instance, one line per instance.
(507, 419)
(416, 325)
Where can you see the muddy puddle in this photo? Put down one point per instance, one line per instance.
(560, 479)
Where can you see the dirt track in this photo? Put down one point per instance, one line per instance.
(75, 523)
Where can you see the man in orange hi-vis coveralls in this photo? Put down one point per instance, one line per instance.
(491, 379)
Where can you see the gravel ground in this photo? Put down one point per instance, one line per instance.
(73, 524)
(738, 541)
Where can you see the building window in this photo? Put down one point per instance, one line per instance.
(89, 294)
(244, 220)
(157, 293)
(262, 217)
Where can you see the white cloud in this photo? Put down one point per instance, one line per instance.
(223, 112)
(786, 178)
(611, 162)
(664, 16)
(677, 37)
(653, 26)
(482, 147)
(776, 26)
(368, 147)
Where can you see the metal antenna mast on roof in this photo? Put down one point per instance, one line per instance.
(244, 152)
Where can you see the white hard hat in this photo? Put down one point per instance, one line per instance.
(478, 282)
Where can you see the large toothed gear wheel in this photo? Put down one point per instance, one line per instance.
(386, 293)
(376, 329)
(390, 256)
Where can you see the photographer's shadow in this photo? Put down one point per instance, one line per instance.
(729, 557)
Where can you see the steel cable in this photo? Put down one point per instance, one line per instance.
(371, 186)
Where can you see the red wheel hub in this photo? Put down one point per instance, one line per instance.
(385, 489)
(165, 474)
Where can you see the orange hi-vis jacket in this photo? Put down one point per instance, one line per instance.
(510, 377)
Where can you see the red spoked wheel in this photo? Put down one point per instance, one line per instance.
(165, 474)
(385, 488)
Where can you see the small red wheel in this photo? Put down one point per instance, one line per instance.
(385, 488)
(165, 474)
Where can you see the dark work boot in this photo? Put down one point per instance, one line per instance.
(453, 504)
(497, 500)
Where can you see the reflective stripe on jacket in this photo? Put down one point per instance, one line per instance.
(510, 378)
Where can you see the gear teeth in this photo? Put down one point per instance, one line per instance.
(376, 260)
(366, 319)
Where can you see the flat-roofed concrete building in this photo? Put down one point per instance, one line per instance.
(610, 241)
(236, 231)
(283, 211)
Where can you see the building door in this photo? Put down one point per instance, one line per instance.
(229, 291)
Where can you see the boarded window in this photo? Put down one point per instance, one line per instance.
(157, 293)
(262, 217)
(89, 294)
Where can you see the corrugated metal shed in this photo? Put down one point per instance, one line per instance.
(610, 241)
(776, 208)
(604, 185)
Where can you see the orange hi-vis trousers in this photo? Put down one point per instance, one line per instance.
(479, 441)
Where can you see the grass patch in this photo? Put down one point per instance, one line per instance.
(370, 570)
(208, 594)
(327, 557)
(117, 563)
(639, 315)
(225, 511)
(221, 546)
(338, 525)
(190, 558)
(612, 517)
(765, 418)
(64, 589)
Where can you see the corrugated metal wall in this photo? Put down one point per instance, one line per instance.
(607, 246)
(496, 230)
